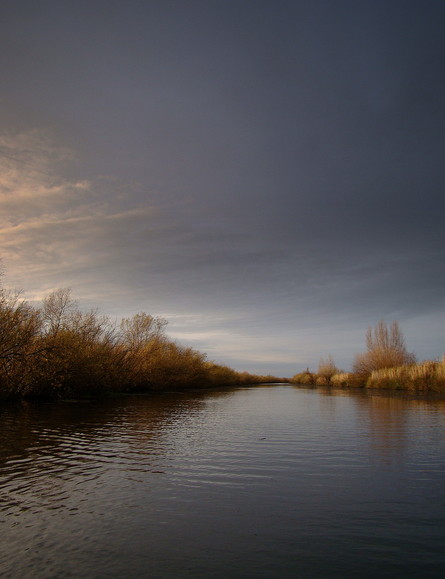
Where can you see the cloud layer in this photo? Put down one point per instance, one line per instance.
(269, 178)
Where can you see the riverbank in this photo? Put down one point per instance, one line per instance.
(59, 351)
(427, 376)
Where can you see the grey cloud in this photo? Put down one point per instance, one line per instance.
(268, 170)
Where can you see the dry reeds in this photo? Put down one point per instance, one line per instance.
(428, 376)
(306, 378)
(341, 379)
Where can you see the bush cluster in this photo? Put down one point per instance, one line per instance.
(323, 377)
(57, 350)
(386, 363)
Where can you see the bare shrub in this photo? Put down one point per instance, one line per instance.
(304, 378)
(322, 381)
(385, 349)
(20, 325)
(140, 330)
(327, 369)
(341, 379)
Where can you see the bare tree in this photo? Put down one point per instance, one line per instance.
(385, 349)
(141, 329)
(58, 308)
(20, 325)
(327, 368)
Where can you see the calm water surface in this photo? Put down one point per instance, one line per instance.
(273, 481)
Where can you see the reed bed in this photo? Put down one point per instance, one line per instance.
(428, 376)
(341, 379)
(306, 378)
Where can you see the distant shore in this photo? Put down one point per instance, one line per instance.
(425, 377)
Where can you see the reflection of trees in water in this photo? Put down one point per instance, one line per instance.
(387, 427)
(386, 417)
(51, 452)
(379, 420)
(35, 428)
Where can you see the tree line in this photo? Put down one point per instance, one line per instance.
(386, 363)
(57, 350)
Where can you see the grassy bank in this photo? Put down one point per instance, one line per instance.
(385, 364)
(56, 350)
(428, 376)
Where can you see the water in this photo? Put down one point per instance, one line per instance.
(274, 481)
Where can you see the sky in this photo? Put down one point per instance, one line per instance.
(268, 175)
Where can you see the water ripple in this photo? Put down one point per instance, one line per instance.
(253, 479)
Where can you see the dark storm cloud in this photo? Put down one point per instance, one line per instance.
(281, 162)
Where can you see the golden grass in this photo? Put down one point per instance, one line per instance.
(427, 376)
(304, 378)
(341, 379)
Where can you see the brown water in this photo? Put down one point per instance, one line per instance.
(274, 481)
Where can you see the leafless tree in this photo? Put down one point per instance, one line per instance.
(141, 329)
(58, 308)
(385, 349)
(327, 368)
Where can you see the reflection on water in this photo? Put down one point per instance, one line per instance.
(274, 481)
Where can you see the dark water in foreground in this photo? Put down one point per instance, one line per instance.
(274, 481)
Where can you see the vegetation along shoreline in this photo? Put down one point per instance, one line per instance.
(386, 365)
(58, 351)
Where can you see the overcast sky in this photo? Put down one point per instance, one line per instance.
(266, 174)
